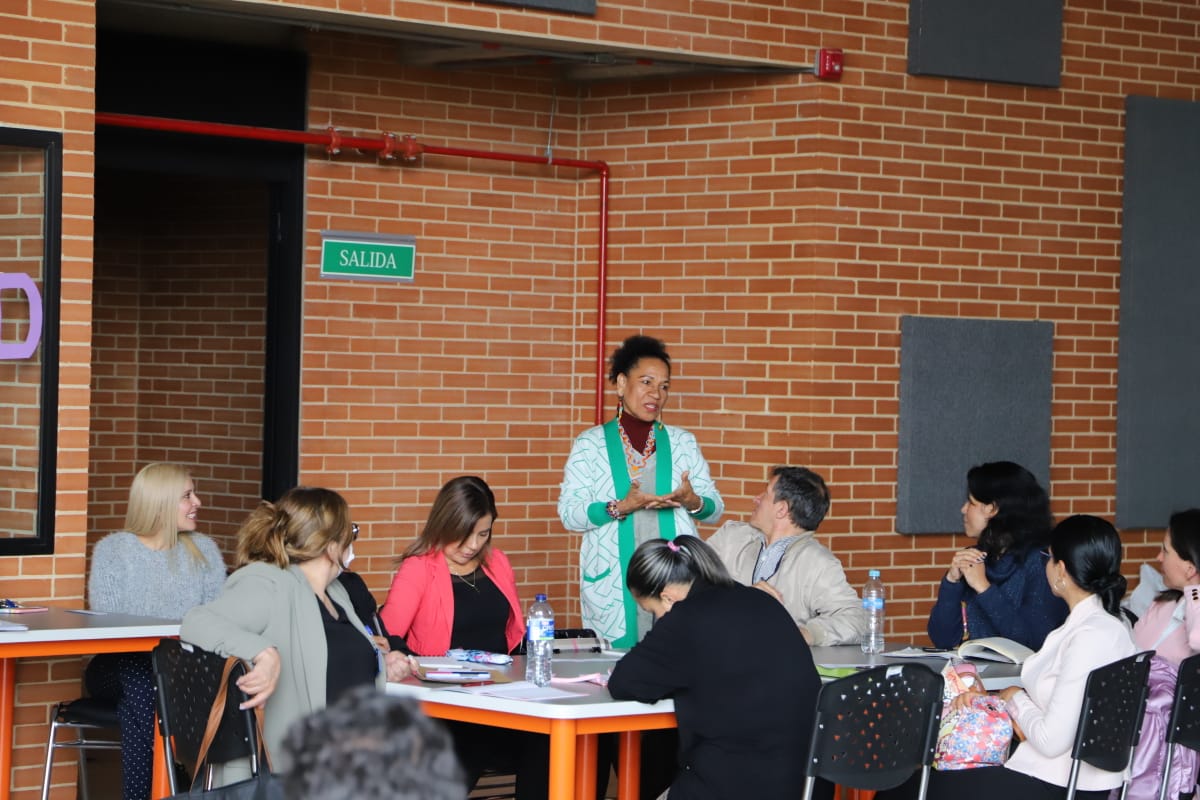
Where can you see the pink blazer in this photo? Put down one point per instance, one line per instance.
(420, 603)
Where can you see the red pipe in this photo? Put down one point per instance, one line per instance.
(409, 150)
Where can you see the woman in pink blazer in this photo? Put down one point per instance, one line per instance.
(453, 589)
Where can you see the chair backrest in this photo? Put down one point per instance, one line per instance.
(1110, 721)
(188, 680)
(1184, 727)
(874, 729)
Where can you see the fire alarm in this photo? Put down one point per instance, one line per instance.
(829, 64)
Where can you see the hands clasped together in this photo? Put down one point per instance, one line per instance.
(968, 565)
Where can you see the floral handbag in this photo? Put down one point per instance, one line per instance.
(977, 736)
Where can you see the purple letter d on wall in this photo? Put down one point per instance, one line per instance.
(19, 350)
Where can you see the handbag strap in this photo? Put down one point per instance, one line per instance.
(217, 712)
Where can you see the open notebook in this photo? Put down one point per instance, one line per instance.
(991, 648)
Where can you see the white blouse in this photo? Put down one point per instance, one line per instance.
(1054, 679)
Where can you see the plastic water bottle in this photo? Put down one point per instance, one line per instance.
(539, 642)
(873, 599)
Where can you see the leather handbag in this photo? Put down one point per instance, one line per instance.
(262, 785)
(976, 736)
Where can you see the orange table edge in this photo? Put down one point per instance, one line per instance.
(572, 744)
(9, 652)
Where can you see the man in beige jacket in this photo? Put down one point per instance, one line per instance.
(779, 553)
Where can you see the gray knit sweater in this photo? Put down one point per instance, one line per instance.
(129, 578)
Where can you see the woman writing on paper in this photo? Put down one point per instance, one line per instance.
(454, 590)
(158, 566)
(739, 670)
(630, 480)
(997, 587)
(1084, 569)
(284, 611)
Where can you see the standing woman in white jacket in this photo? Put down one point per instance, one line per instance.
(630, 480)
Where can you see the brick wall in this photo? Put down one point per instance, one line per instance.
(178, 343)
(46, 81)
(22, 202)
(772, 230)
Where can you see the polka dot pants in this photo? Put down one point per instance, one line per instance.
(128, 679)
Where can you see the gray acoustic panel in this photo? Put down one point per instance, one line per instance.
(1011, 41)
(1158, 364)
(971, 391)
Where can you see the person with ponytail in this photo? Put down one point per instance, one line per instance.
(632, 479)
(158, 566)
(1084, 569)
(738, 668)
(283, 611)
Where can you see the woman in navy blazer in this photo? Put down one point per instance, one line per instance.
(739, 670)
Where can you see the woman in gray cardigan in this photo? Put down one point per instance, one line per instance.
(284, 612)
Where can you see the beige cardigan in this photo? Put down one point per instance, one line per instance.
(810, 578)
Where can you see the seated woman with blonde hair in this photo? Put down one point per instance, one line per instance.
(284, 612)
(158, 566)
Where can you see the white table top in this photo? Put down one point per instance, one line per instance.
(589, 701)
(995, 674)
(64, 625)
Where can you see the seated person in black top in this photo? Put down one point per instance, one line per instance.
(738, 668)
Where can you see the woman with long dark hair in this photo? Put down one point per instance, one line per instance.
(454, 589)
(738, 668)
(996, 586)
(1171, 628)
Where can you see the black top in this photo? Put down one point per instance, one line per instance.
(745, 690)
(480, 614)
(352, 659)
(366, 608)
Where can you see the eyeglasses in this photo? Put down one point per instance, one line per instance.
(1048, 554)
(354, 531)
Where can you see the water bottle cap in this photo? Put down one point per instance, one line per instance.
(539, 598)
(872, 573)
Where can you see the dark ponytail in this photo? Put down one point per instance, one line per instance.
(1090, 549)
(657, 563)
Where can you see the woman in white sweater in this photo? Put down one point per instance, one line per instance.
(158, 566)
(1085, 571)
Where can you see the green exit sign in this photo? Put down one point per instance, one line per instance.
(367, 255)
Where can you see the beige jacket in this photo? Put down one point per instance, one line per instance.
(810, 578)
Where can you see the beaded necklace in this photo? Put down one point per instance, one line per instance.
(634, 460)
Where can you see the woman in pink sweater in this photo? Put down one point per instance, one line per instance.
(1171, 628)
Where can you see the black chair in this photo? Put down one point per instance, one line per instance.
(189, 680)
(85, 716)
(1110, 721)
(1184, 725)
(874, 729)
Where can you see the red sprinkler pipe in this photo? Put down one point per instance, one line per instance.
(408, 151)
